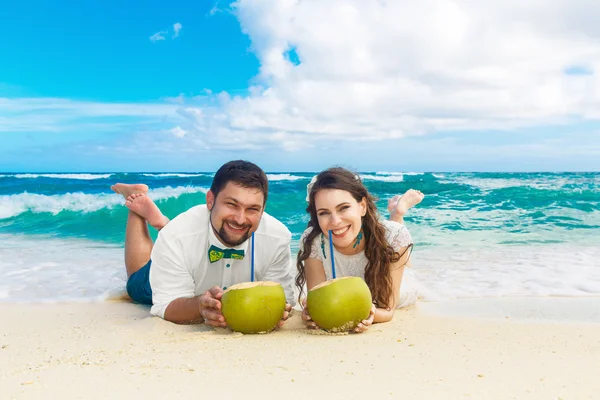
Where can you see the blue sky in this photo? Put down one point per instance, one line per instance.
(102, 52)
(295, 87)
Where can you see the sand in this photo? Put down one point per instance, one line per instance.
(116, 350)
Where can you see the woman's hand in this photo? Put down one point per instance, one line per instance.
(366, 323)
(310, 324)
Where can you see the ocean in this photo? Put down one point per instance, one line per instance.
(477, 235)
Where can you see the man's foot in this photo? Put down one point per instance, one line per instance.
(143, 206)
(127, 190)
(399, 205)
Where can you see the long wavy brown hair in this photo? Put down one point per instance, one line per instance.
(380, 255)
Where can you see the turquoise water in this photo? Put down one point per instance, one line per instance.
(476, 234)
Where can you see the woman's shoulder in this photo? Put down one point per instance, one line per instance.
(306, 232)
(396, 234)
(314, 246)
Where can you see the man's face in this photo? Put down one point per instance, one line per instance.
(235, 213)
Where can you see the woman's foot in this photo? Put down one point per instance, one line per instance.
(398, 205)
(127, 190)
(143, 206)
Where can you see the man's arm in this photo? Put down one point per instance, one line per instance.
(184, 311)
(169, 277)
(173, 288)
(198, 309)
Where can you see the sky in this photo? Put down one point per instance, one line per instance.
(299, 85)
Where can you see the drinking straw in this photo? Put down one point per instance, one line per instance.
(331, 251)
(252, 260)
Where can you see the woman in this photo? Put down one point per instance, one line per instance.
(376, 250)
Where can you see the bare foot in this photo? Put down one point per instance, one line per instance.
(399, 205)
(127, 190)
(143, 206)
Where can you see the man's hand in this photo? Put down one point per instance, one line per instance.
(210, 307)
(286, 315)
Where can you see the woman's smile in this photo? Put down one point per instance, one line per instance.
(339, 233)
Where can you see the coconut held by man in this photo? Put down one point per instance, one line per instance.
(253, 307)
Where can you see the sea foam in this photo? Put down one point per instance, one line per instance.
(15, 204)
(285, 177)
(86, 177)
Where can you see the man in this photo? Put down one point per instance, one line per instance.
(206, 249)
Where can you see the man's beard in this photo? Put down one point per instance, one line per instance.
(228, 240)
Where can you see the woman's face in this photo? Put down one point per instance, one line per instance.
(339, 212)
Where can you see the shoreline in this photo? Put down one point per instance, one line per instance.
(116, 349)
(522, 309)
(548, 309)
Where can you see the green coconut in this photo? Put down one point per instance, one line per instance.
(339, 305)
(253, 307)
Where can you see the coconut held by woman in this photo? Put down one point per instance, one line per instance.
(352, 262)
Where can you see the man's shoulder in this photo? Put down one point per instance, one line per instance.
(273, 228)
(194, 220)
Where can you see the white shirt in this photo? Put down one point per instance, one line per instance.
(397, 235)
(181, 266)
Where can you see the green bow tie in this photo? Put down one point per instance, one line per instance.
(215, 254)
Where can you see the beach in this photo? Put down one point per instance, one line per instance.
(117, 350)
(444, 154)
(507, 267)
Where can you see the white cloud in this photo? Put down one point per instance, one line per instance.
(158, 36)
(376, 70)
(176, 28)
(177, 132)
(390, 69)
(177, 99)
(214, 10)
(60, 115)
(217, 8)
(161, 35)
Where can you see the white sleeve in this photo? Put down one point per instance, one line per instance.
(282, 270)
(314, 248)
(169, 277)
(398, 235)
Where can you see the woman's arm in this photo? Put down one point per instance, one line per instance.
(384, 314)
(396, 273)
(315, 274)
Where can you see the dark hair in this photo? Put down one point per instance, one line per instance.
(380, 255)
(242, 173)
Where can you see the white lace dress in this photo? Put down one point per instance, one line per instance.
(397, 236)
